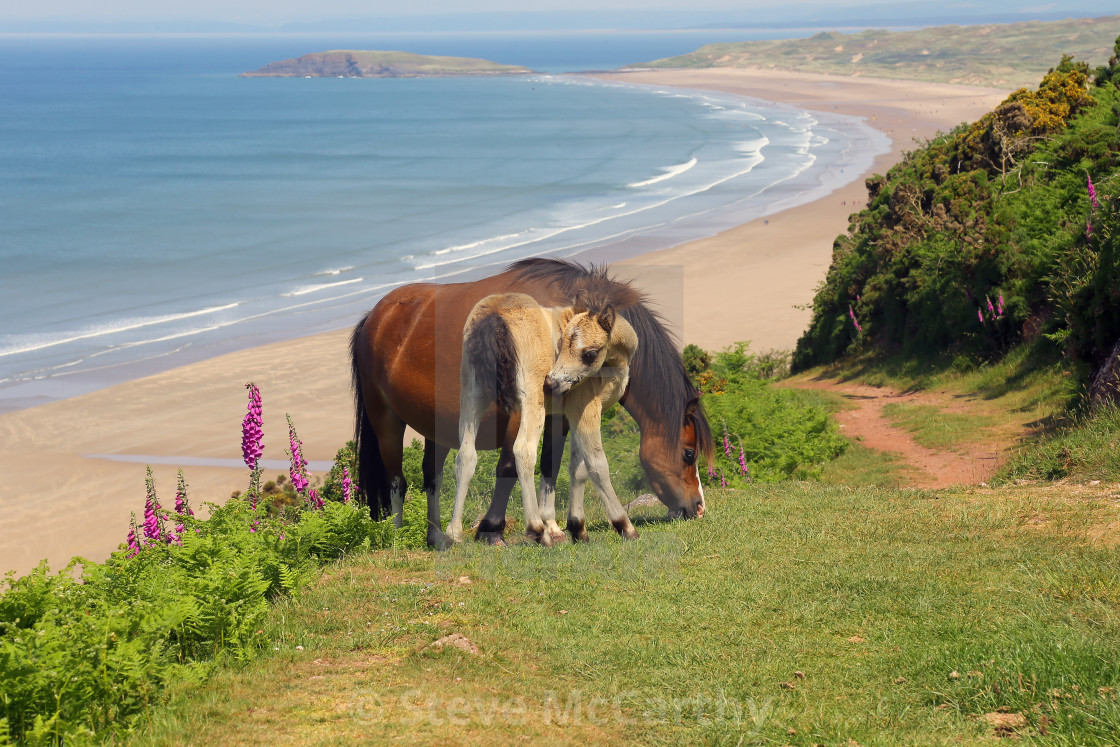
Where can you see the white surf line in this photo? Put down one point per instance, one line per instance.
(123, 328)
(188, 461)
(668, 172)
(321, 287)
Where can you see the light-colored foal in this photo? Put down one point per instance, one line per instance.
(538, 361)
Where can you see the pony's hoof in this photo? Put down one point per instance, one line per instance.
(556, 536)
(630, 534)
(580, 536)
(440, 541)
(491, 538)
(625, 529)
(538, 535)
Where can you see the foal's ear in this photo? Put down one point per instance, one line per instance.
(606, 318)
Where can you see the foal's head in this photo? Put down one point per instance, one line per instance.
(585, 343)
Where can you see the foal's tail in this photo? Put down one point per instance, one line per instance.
(490, 349)
(373, 480)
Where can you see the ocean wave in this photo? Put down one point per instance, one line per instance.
(42, 342)
(668, 172)
(337, 271)
(752, 147)
(305, 289)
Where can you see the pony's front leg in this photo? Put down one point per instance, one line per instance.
(525, 453)
(434, 456)
(555, 433)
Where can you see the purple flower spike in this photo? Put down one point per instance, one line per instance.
(252, 429)
(726, 445)
(991, 309)
(742, 462)
(133, 539)
(347, 484)
(298, 470)
(1092, 193)
(855, 322)
(151, 510)
(980, 314)
(999, 308)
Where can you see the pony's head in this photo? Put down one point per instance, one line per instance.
(592, 335)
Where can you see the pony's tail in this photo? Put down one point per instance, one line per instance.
(493, 356)
(373, 480)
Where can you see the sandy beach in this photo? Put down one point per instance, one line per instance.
(63, 495)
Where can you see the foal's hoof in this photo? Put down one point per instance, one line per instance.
(555, 536)
(578, 528)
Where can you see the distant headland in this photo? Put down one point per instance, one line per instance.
(345, 63)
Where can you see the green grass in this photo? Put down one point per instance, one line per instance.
(935, 428)
(859, 465)
(796, 613)
(1084, 448)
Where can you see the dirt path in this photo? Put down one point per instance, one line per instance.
(969, 463)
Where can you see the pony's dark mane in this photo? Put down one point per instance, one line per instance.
(657, 375)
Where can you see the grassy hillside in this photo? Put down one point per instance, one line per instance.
(1001, 232)
(1010, 55)
(791, 614)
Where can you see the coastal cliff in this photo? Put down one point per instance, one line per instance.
(375, 64)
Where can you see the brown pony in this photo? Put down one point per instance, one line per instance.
(406, 355)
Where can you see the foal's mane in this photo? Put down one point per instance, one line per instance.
(657, 377)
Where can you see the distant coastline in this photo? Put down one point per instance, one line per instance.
(348, 63)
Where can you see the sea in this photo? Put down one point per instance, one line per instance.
(157, 209)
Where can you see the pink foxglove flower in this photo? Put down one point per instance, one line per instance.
(151, 510)
(743, 469)
(347, 485)
(999, 307)
(298, 470)
(252, 429)
(1092, 193)
(133, 539)
(855, 322)
(980, 315)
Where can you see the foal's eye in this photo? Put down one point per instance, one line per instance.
(589, 356)
(689, 456)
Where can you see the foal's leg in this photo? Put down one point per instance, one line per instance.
(577, 472)
(472, 408)
(555, 433)
(434, 456)
(525, 453)
(492, 527)
(587, 437)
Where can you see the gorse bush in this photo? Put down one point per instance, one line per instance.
(84, 651)
(987, 236)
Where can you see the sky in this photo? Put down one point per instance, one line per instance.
(278, 11)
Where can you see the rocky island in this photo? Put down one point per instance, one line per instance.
(344, 63)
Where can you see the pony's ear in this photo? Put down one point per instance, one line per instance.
(691, 408)
(606, 318)
(581, 301)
